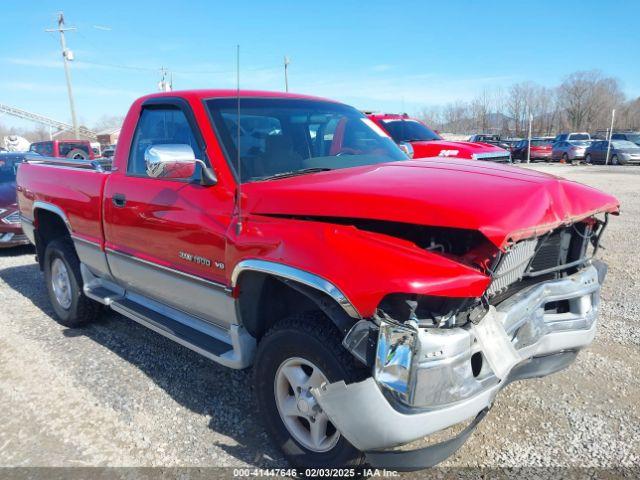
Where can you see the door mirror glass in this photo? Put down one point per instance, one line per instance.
(171, 161)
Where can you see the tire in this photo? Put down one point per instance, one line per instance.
(305, 337)
(78, 154)
(614, 160)
(64, 284)
(587, 159)
(565, 158)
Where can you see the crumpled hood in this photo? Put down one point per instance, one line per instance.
(503, 202)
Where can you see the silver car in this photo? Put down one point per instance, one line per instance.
(569, 150)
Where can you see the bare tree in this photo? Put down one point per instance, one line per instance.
(587, 98)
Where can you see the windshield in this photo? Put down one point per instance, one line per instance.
(280, 136)
(409, 131)
(624, 144)
(634, 138)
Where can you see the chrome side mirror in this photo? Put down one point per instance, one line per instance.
(176, 161)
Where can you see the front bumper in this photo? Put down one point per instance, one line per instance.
(528, 338)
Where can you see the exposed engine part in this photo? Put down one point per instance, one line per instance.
(427, 311)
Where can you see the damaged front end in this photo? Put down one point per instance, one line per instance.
(440, 361)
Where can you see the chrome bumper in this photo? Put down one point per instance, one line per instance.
(520, 338)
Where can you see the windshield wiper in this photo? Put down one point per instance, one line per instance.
(294, 173)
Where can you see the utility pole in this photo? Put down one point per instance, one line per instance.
(163, 84)
(67, 56)
(613, 116)
(529, 139)
(286, 77)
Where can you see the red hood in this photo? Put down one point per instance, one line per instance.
(465, 149)
(501, 201)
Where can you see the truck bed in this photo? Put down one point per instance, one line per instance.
(73, 186)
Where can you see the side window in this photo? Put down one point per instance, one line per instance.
(617, 136)
(158, 126)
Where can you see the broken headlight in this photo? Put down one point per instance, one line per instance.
(394, 357)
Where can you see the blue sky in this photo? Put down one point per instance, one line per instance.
(385, 55)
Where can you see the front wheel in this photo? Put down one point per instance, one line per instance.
(614, 160)
(300, 353)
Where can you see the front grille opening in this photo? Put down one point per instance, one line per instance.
(476, 364)
(561, 306)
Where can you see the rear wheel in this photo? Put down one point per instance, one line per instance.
(565, 158)
(587, 158)
(64, 284)
(300, 353)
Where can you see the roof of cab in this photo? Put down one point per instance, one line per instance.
(232, 93)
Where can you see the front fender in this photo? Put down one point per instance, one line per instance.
(362, 266)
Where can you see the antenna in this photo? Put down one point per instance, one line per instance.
(286, 77)
(239, 163)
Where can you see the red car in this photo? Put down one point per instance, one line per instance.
(76, 149)
(11, 234)
(419, 141)
(540, 149)
(378, 299)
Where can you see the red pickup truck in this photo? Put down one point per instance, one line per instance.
(378, 299)
(419, 141)
(76, 149)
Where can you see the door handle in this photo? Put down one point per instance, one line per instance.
(119, 200)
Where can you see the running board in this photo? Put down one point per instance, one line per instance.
(233, 347)
(199, 336)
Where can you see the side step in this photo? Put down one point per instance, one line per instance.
(193, 333)
(233, 347)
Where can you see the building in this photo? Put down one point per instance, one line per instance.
(109, 137)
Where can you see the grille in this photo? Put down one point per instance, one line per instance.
(512, 266)
(536, 255)
(13, 218)
(493, 157)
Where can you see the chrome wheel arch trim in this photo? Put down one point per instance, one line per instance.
(297, 275)
(40, 205)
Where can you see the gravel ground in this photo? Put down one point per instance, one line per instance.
(117, 394)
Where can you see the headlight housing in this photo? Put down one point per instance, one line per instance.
(394, 357)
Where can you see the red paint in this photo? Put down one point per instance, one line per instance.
(54, 148)
(164, 217)
(438, 147)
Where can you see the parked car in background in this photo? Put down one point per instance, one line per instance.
(630, 136)
(419, 141)
(77, 149)
(109, 151)
(540, 149)
(11, 234)
(621, 152)
(564, 137)
(491, 139)
(569, 150)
